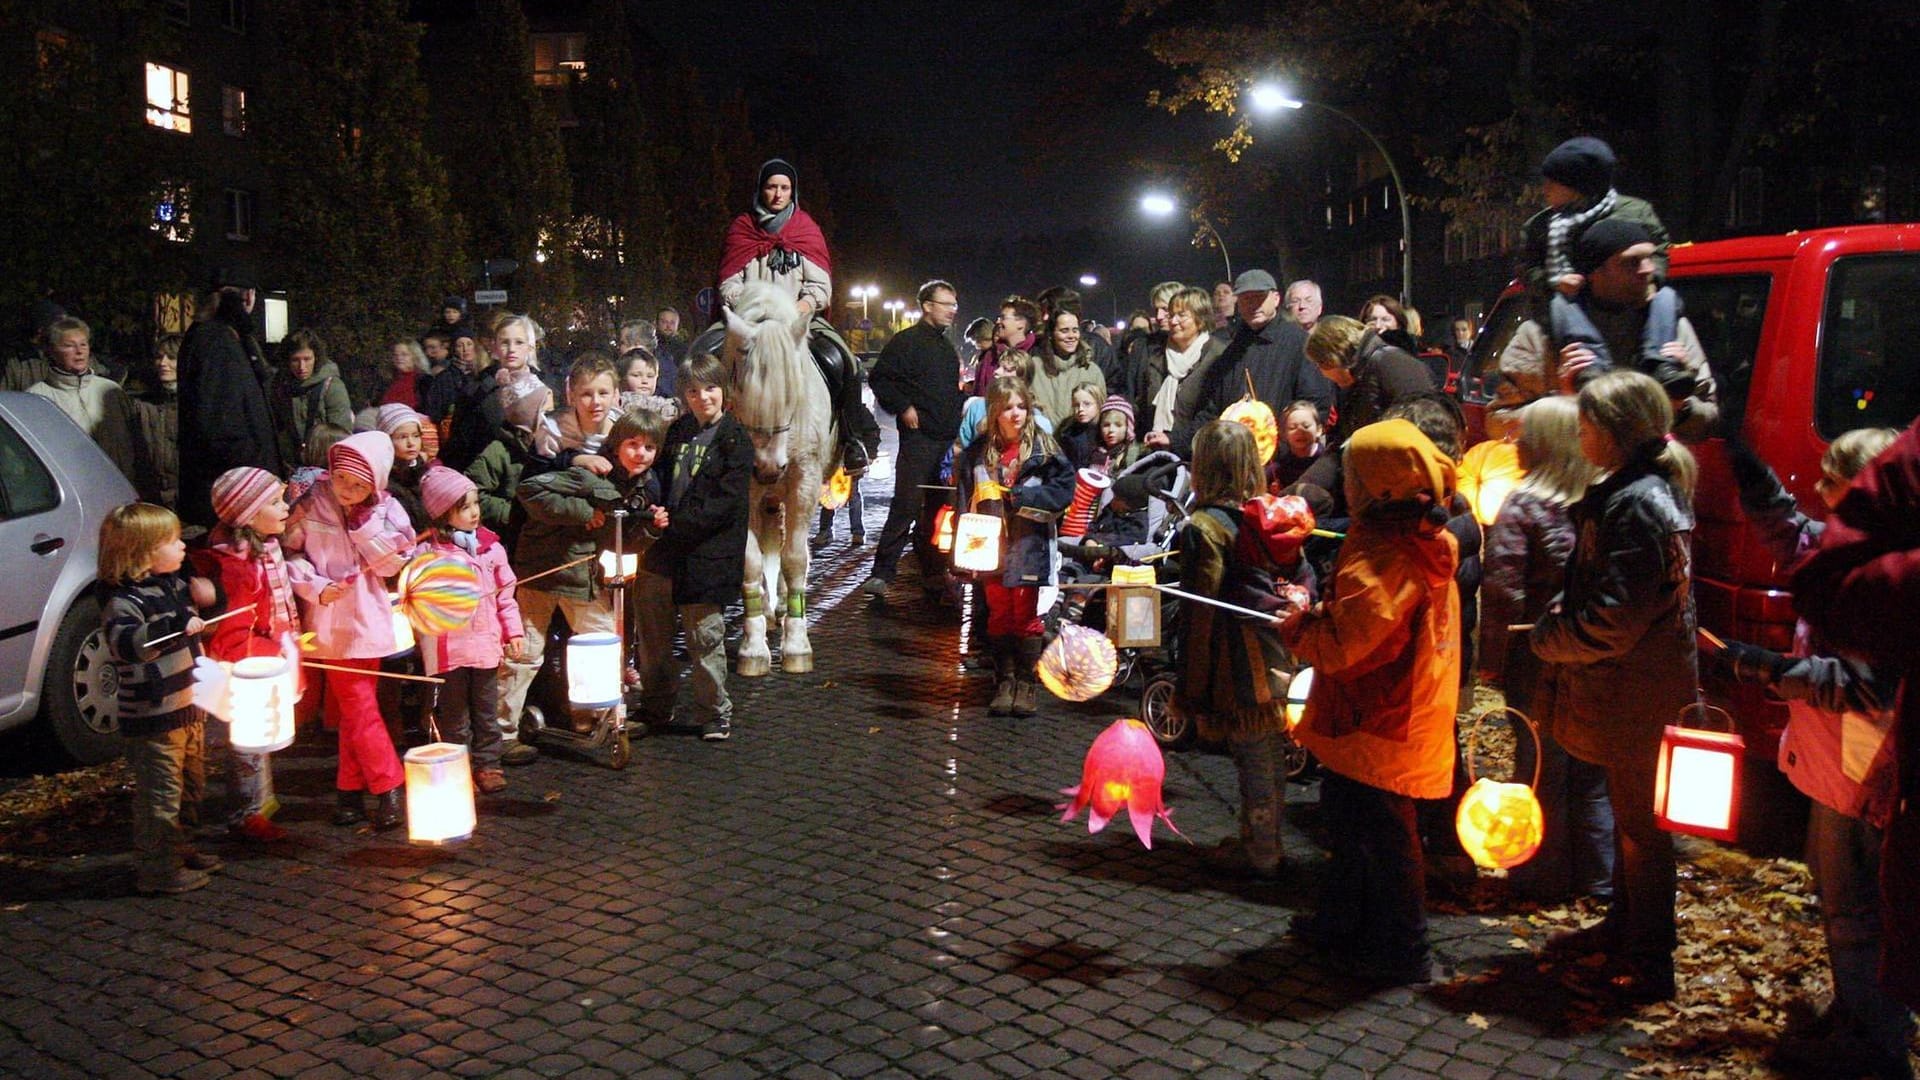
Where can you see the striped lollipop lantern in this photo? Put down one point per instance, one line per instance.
(1087, 486)
(438, 593)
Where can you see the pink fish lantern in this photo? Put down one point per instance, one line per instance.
(1123, 771)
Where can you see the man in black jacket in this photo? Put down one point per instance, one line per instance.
(224, 415)
(1269, 350)
(917, 380)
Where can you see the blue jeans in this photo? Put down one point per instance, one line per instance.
(1576, 849)
(1844, 854)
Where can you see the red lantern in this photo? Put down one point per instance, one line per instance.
(1697, 787)
(1088, 484)
(1123, 771)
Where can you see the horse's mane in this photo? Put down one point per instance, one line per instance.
(763, 301)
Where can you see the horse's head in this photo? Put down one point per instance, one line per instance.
(765, 353)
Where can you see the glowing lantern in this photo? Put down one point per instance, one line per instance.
(260, 714)
(1254, 413)
(1133, 608)
(618, 567)
(439, 794)
(1087, 486)
(976, 542)
(402, 629)
(1489, 472)
(835, 490)
(1297, 693)
(943, 528)
(438, 594)
(593, 670)
(1123, 771)
(1697, 787)
(1079, 664)
(1500, 825)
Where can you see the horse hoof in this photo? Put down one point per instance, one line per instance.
(796, 664)
(754, 666)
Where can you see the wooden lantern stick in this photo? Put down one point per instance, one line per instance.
(203, 626)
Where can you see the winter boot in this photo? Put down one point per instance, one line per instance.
(1026, 691)
(386, 809)
(348, 809)
(1003, 677)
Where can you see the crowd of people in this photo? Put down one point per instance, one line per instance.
(1575, 598)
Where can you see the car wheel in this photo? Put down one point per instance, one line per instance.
(79, 691)
(1170, 727)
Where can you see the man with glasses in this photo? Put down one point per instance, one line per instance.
(915, 379)
(1304, 304)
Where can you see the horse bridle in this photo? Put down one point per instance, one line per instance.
(765, 432)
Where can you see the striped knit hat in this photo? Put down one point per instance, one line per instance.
(343, 457)
(394, 416)
(441, 489)
(1116, 403)
(239, 494)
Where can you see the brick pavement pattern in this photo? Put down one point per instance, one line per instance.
(869, 880)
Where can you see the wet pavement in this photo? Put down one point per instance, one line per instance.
(870, 879)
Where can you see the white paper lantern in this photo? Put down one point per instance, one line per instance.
(976, 543)
(264, 689)
(402, 629)
(439, 794)
(1297, 692)
(593, 670)
(618, 568)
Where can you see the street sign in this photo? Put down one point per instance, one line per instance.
(704, 301)
(866, 324)
(489, 296)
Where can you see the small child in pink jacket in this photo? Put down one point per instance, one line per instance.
(346, 535)
(469, 658)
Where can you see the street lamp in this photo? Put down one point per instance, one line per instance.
(893, 308)
(1268, 99)
(1157, 204)
(1091, 281)
(865, 293)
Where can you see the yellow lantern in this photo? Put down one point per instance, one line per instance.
(618, 567)
(1079, 664)
(264, 689)
(1297, 692)
(835, 490)
(439, 794)
(1489, 472)
(402, 629)
(1133, 608)
(1254, 413)
(1500, 825)
(943, 522)
(593, 670)
(976, 542)
(1697, 787)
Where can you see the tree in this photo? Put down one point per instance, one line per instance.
(362, 212)
(618, 194)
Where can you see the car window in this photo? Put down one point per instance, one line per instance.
(1869, 372)
(1502, 323)
(1726, 311)
(26, 487)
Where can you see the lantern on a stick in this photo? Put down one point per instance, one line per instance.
(264, 690)
(1259, 419)
(439, 794)
(1500, 825)
(1123, 771)
(618, 566)
(976, 542)
(943, 524)
(1079, 664)
(1133, 608)
(1088, 484)
(437, 594)
(1696, 788)
(835, 490)
(1298, 691)
(593, 670)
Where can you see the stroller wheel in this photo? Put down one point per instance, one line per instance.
(1170, 728)
(1295, 759)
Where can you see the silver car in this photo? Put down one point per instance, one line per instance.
(55, 488)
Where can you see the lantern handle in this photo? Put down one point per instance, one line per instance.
(1472, 725)
(1700, 708)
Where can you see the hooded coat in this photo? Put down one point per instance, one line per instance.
(225, 418)
(301, 403)
(1384, 644)
(359, 549)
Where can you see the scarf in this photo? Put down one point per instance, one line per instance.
(1565, 225)
(782, 238)
(276, 615)
(1178, 364)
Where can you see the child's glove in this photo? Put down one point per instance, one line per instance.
(1749, 663)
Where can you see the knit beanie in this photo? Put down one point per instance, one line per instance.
(1583, 163)
(441, 489)
(239, 494)
(1116, 403)
(345, 457)
(393, 416)
(1604, 239)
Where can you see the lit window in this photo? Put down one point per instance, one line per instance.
(558, 59)
(170, 213)
(239, 214)
(167, 99)
(233, 111)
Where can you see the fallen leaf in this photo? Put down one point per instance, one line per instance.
(873, 731)
(551, 796)
(1478, 1021)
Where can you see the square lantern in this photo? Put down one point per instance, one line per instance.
(593, 670)
(439, 794)
(943, 522)
(1697, 787)
(1133, 608)
(976, 542)
(264, 690)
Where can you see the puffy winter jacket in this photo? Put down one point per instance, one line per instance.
(358, 550)
(479, 644)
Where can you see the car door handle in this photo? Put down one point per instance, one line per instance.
(44, 544)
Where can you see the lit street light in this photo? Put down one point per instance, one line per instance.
(1267, 98)
(1091, 281)
(1157, 204)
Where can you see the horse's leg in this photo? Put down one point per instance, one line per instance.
(755, 658)
(802, 496)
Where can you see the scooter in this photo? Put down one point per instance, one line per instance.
(608, 742)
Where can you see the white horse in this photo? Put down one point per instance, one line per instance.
(781, 399)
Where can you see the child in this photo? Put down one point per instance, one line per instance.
(1838, 749)
(148, 597)
(1300, 426)
(1078, 436)
(1014, 470)
(1619, 640)
(347, 534)
(593, 393)
(1384, 649)
(469, 658)
(1232, 677)
(640, 382)
(633, 446)
(710, 460)
(89, 399)
(407, 430)
(1527, 550)
(243, 560)
(1013, 364)
(513, 455)
(1118, 448)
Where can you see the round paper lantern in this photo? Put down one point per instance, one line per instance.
(1088, 484)
(438, 593)
(1489, 472)
(835, 490)
(1079, 664)
(1499, 824)
(1254, 413)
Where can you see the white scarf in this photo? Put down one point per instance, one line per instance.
(1178, 364)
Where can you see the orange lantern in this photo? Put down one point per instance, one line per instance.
(1489, 472)
(1254, 413)
(943, 529)
(1079, 664)
(1133, 608)
(1123, 771)
(835, 490)
(976, 543)
(1500, 824)
(1697, 787)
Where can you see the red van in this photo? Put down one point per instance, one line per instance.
(1809, 334)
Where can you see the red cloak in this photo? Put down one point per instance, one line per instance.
(747, 241)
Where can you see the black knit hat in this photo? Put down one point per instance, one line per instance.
(1604, 239)
(1583, 163)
